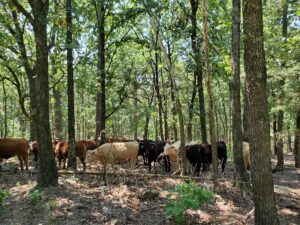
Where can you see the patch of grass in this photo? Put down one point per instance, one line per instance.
(3, 196)
(35, 196)
(185, 196)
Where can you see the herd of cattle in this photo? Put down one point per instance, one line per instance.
(199, 155)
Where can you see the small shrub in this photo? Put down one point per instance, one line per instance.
(35, 196)
(185, 196)
(3, 195)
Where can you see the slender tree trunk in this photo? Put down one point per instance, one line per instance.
(275, 134)
(58, 121)
(297, 141)
(217, 125)
(146, 126)
(211, 110)
(280, 159)
(245, 116)
(135, 115)
(191, 111)
(237, 133)
(197, 71)
(5, 109)
(259, 140)
(165, 103)
(47, 165)
(289, 140)
(202, 107)
(173, 110)
(101, 96)
(157, 90)
(70, 75)
(156, 129)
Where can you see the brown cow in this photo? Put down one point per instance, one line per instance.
(11, 147)
(81, 147)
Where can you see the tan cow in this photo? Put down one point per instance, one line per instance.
(110, 153)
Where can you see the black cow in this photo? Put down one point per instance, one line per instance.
(153, 151)
(200, 155)
(222, 154)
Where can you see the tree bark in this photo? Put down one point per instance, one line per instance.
(211, 110)
(237, 133)
(47, 166)
(259, 140)
(101, 95)
(70, 81)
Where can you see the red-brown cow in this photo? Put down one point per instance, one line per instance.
(11, 147)
(81, 147)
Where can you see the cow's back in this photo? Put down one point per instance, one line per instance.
(123, 150)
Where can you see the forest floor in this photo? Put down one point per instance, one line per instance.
(87, 199)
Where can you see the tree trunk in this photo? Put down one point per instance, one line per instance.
(4, 109)
(275, 133)
(237, 133)
(197, 71)
(289, 139)
(70, 80)
(202, 107)
(157, 90)
(58, 121)
(191, 111)
(156, 130)
(146, 126)
(47, 165)
(211, 110)
(259, 140)
(297, 141)
(173, 110)
(245, 116)
(101, 98)
(135, 116)
(280, 159)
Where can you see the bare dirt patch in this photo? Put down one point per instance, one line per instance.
(87, 199)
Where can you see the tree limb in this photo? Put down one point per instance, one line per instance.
(23, 11)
